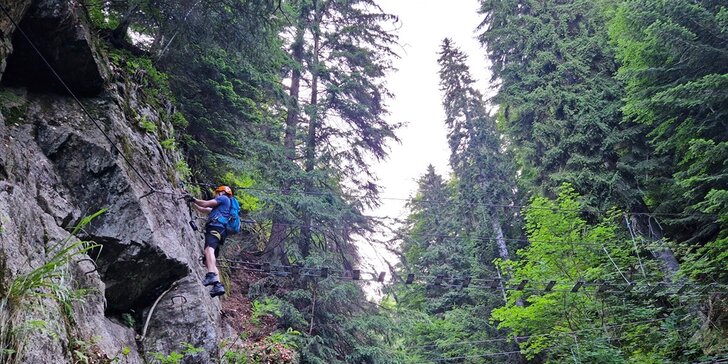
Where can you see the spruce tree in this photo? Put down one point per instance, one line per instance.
(335, 122)
(559, 102)
(485, 179)
(438, 310)
(674, 58)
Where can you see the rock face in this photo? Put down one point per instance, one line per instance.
(55, 30)
(15, 9)
(57, 165)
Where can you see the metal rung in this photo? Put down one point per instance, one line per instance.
(410, 279)
(522, 285)
(550, 286)
(577, 286)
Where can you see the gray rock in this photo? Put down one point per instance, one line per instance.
(16, 9)
(56, 167)
(55, 29)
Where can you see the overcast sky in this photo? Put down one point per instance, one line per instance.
(415, 85)
(424, 23)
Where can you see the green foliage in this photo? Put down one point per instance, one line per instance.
(155, 84)
(675, 67)
(179, 121)
(247, 201)
(150, 77)
(559, 102)
(128, 319)
(325, 313)
(99, 17)
(148, 126)
(266, 306)
(13, 107)
(484, 175)
(610, 328)
(84, 352)
(175, 357)
(430, 321)
(183, 169)
(682, 98)
(266, 351)
(169, 144)
(171, 358)
(50, 280)
(288, 338)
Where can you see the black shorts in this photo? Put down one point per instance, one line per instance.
(214, 237)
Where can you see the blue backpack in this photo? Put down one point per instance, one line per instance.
(232, 222)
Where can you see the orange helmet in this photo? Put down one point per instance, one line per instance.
(228, 191)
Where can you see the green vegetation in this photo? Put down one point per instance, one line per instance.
(148, 126)
(13, 107)
(128, 320)
(266, 306)
(175, 357)
(29, 291)
(183, 169)
(169, 144)
(248, 202)
(610, 128)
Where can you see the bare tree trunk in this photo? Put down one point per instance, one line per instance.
(304, 244)
(280, 226)
(500, 239)
(648, 228)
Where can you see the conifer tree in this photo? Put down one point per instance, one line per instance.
(430, 246)
(485, 180)
(335, 122)
(433, 318)
(560, 105)
(675, 64)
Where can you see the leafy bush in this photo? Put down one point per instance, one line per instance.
(266, 306)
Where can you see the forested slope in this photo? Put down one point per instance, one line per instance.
(584, 219)
(612, 112)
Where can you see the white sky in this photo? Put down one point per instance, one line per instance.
(424, 23)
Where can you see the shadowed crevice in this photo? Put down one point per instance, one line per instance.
(63, 40)
(134, 273)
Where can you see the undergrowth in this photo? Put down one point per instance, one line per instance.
(32, 290)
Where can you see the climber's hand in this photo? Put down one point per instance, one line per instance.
(189, 198)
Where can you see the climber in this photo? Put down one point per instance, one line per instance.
(217, 209)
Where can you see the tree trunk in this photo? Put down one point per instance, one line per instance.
(644, 226)
(304, 243)
(280, 226)
(500, 239)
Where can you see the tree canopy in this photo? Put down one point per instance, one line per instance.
(586, 215)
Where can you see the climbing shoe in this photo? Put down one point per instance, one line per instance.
(210, 278)
(217, 290)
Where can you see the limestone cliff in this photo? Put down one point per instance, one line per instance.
(57, 166)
